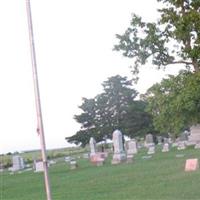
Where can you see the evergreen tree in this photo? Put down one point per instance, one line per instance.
(115, 108)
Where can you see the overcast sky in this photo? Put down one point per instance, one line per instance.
(74, 41)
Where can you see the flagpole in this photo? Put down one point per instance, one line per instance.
(40, 128)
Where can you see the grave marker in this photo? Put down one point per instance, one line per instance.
(119, 154)
(191, 164)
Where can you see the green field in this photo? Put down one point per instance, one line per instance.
(160, 177)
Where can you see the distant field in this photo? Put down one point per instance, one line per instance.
(160, 177)
(54, 153)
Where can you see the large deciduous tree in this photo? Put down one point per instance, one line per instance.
(175, 102)
(114, 108)
(173, 39)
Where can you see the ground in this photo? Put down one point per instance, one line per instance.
(161, 177)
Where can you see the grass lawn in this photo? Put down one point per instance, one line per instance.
(160, 177)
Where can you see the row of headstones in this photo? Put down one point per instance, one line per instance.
(181, 143)
(120, 155)
(19, 164)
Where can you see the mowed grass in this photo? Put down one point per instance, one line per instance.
(160, 177)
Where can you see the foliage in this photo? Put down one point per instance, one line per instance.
(175, 102)
(115, 108)
(173, 39)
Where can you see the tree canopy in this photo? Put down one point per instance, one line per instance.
(173, 39)
(175, 102)
(114, 108)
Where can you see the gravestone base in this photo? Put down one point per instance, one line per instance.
(118, 158)
(147, 145)
(129, 158)
(97, 160)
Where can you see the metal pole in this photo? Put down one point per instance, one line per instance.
(40, 128)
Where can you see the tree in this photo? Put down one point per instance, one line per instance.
(175, 102)
(173, 39)
(114, 108)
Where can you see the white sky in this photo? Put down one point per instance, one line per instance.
(74, 41)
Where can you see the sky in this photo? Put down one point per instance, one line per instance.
(74, 41)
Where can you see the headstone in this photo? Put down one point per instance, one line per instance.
(151, 149)
(86, 155)
(184, 136)
(181, 145)
(38, 166)
(191, 164)
(175, 144)
(170, 141)
(159, 139)
(165, 140)
(194, 136)
(1, 167)
(149, 140)
(197, 145)
(131, 150)
(18, 163)
(67, 159)
(73, 164)
(132, 147)
(165, 147)
(96, 158)
(119, 154)
(52, 162)
(92, 146)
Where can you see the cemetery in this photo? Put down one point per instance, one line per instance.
(129, 171)
(130, 145)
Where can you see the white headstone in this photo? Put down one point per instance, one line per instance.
(132, 147)
(149, 140)
(119, 154)
(67, 159)
(151, 149)
(175, 144)
(73, 164)
(38, 166)
(86, 155)
(194, 136)
(131, 150)
(181, 145)
(197, 145)
(159, 139)
(92, 146)
(18, 163)
(184, 136)
(165, 147)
